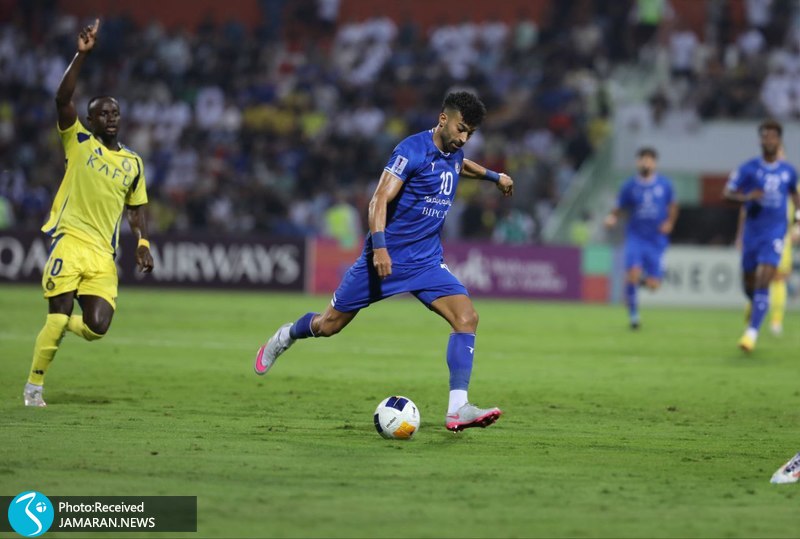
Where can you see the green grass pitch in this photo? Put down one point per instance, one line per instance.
(668, 432)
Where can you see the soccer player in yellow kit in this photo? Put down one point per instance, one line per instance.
(102, 176)
(777, 288)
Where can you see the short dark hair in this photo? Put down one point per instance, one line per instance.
(771, 124)
(471, 108)
(647, 150)
(97, 98)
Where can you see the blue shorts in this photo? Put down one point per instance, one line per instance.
(362, 287)
(766, 251)
(647, 255)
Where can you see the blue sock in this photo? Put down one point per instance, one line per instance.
(460, 351)
(302, 328)
(760, 307)
(630, 301)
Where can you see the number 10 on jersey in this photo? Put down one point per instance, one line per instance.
(447, 183)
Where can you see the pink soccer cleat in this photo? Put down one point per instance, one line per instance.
(268, 353)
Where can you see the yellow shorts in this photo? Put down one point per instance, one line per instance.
(75, 265)
(785, 265)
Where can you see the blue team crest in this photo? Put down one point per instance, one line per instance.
(658, 191)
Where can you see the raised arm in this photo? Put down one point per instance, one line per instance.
(137, 218)
(67, 114)
(388, 188)
(473, 171)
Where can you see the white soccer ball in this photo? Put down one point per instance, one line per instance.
(41, 507)
(397, 418)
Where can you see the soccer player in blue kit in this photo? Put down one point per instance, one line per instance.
(648, 200)
(403, 251)
(763, 185)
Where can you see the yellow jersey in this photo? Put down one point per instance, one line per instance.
(98, 182)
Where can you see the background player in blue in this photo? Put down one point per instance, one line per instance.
(647, 199)
(763, 185)
(403, 251)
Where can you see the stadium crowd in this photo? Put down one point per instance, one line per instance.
(737, 69)
(284, 129)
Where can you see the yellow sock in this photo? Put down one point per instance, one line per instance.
(777, 301)
(77, 326)
(46, 346)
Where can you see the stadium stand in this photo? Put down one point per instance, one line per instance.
(265, 121)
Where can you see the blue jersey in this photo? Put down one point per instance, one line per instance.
(415, 217)
(647, 203)
(766, 218)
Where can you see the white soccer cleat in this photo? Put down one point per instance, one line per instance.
(34, 395)
(788, 473)
(469, 416)
(268, 353)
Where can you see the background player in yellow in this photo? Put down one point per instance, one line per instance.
(777, 288)
(102, 178)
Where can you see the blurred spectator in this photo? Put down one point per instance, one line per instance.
(757, 13)
(580, 232)
(514, 227)
(683, 44)
(779, 94)
(479, 217)
(526, 35)
(6, 213)
(647, 17)
(343, 223)
(737, 72)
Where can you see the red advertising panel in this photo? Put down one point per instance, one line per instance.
(329, 262)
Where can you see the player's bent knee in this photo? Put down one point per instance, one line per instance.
(763, 282)
(97, 326)
(633, 277)
(466, 322)
(90, 335)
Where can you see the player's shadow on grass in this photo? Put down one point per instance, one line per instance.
(445, 437)
(76, 398)
(744, 359)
